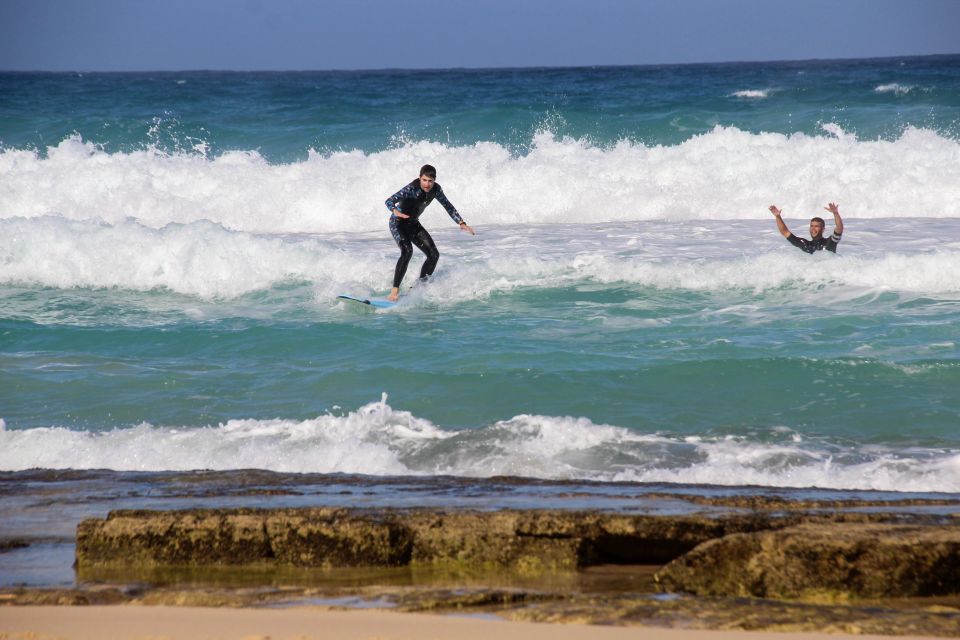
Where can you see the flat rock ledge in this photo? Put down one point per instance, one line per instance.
(822, 562)
(330, 537)
(795, 556)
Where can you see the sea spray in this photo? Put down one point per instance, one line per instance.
(724, 174)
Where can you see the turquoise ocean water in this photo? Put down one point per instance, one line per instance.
(173, 244)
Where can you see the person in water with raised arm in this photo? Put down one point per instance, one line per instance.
(817, 225)
(405, 207)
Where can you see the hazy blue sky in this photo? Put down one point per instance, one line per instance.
(118, 35)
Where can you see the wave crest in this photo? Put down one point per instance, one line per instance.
(379, 440)
(724, 174)
(755, 94)
(894, 87)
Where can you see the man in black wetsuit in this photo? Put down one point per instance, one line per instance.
(817, 242)
(405, 208)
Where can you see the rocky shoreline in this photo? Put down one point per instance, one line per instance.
(852, 567)
(798, 555)
(767, 564)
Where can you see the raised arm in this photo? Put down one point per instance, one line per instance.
(781, 225)
(837, 221)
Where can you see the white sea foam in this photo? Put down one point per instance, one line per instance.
(917, 256)
(753, 94)
(894, 87)
(201, 258)
(724, 174)
(379, 440)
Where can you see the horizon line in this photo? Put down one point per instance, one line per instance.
(482, 68)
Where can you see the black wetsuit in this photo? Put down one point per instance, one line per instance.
(412, 200)
(811, 246)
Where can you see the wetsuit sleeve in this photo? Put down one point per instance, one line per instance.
(451, 210)
(394, 200)
(831, 244)
(799, 243)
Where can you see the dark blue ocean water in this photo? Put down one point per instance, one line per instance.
(285, 115)
(173, 244)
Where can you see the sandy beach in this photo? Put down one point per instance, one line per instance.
(189, 623)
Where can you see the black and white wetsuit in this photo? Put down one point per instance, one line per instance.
(412, 200)
(811, 246)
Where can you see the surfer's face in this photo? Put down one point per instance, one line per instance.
(426, 183)
(816, 229)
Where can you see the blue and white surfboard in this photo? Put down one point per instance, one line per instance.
(379, 303)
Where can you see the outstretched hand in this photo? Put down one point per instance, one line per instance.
(775, 211)
(832, 208)
(468, 229)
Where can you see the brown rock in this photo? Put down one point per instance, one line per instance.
(823, 561)
(522, 540)
(827, 556)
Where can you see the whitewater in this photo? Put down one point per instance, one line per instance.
(725, 173)
(173, 245)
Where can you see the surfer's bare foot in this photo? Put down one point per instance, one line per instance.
(394, 295)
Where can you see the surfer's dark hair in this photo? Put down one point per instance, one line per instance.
(428, 170)
(820, 220)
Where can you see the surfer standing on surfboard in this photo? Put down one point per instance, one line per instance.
(405, 207)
